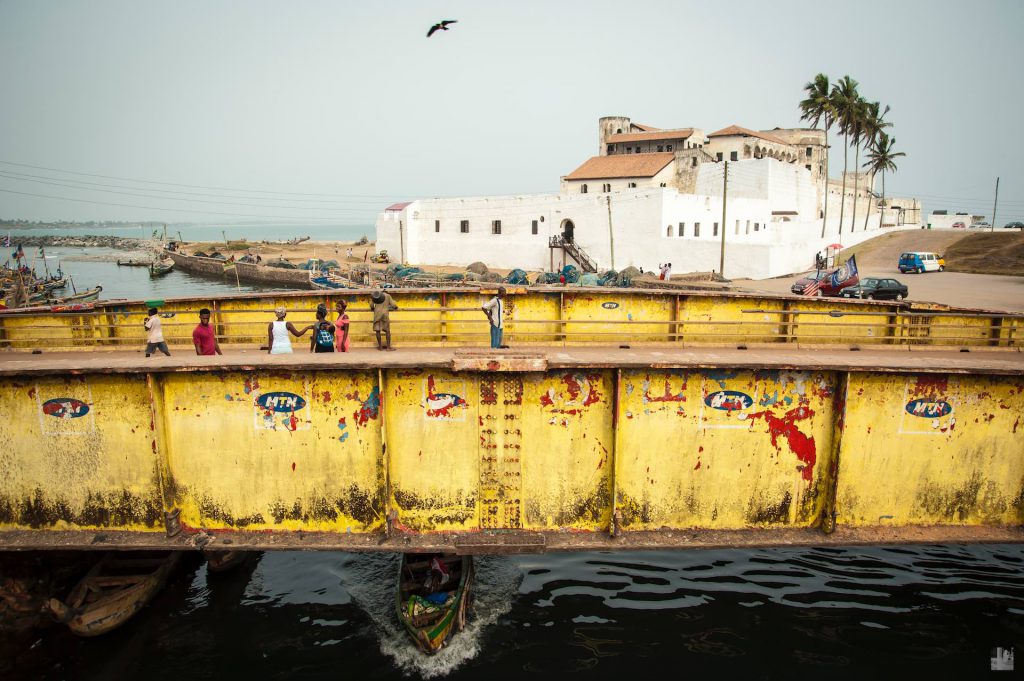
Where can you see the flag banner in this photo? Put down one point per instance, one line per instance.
(846, 275)
(20, 252)
(228, 265)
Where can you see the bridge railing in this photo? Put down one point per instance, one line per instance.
(569, 318)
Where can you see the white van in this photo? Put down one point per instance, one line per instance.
(921, 261)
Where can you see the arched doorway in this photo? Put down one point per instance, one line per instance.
(567, 230)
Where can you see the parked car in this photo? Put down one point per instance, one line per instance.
(959, 225)
(819, 284)
(1014, 225)
(921, 261)
(981, 225)
(873, 288)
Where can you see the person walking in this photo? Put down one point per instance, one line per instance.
(278, 342)
(341, 342)
(322, 339)
(381, 305)
(154, 334)
(203, 336)
(495, 311)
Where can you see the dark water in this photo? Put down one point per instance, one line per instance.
(929, 612)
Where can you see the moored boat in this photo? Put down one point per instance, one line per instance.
(46, 298)
(432, 597)
(134, 263)
(111, 592)
(162, 266)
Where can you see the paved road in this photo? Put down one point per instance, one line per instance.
(986, 291)
(878, 258)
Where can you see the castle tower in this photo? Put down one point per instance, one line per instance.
(608, 126)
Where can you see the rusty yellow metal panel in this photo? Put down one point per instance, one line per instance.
(823, 320)
(433, 431)
(723, 449)
(78, 453)
(614, 317)
(952, 330)
(932, 449)
(275, 450)
(532, 318)
(723, 319)
(245, 320)
(566, 447)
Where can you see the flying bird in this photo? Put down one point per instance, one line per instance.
(443, 26)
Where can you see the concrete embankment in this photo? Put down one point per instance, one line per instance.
(214, 267)
(84, 241)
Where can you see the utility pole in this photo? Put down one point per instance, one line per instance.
(995, 204)
(611, 232)
(725, 192)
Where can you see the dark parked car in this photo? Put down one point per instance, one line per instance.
(819, 284)
(1014, 225)
(876, 289)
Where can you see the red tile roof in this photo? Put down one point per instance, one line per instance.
(621, 165)
(677, 134)
(747, 132)
(397, 206)
(645, 128)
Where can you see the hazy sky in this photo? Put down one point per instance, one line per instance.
(331, 110)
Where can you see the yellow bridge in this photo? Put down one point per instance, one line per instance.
(621, 419)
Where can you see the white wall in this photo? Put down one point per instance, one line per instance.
(640, 219)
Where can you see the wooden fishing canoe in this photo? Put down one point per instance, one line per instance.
(116, 588)
(432, 624)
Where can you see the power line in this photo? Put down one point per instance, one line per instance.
(180, 210)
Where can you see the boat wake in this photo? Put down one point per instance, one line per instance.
(495, 584)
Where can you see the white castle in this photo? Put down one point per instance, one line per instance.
(655, 195)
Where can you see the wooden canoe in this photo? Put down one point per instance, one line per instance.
(432, 621)
(161, 267)
(116, 588)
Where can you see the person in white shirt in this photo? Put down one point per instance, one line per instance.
(154, 334)
(495, 311)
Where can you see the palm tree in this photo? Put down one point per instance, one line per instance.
(844, 98)
(882, 159)
(817, 108)
(874, 124)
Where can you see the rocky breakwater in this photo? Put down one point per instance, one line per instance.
(83, 241)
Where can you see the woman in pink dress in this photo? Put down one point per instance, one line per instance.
(341, 326)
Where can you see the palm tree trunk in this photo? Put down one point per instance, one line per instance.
(881, 217)
(824, 216)
(842, 203)
(856, 168)
(867, 212)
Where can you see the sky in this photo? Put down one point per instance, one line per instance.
(326, 112)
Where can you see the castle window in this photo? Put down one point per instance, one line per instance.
(757, 226)
(668, 231)
(719, 156)
(632, 185)
(437, 225)
(638, 150)
(808, 152)
(606, 188)
(611, 149)
(682, 229)
(662, 184)
(737, 226)
(694, 161)
(748, 226)
(668, 147)
(533, 227)
(464, 226)
(660, 148)
(583, 189)
(696, 229)
(808, 166)
(496, 227)
(714, 231)
(734, 156)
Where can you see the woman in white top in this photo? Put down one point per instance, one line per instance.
(278, 342)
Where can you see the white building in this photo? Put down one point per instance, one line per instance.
(650, 196)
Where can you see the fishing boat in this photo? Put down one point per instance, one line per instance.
(432, 597)
(47, 298)
(134, 263)
(328, 282)
(223, 561)
(161, 267)
(116, 588)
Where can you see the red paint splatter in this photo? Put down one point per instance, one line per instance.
(667, 397)
(1015, 423)
(573, 387)
(443, 403)
(341, 421)
(327, 396)
(251, 384)
(31, 392)
(700, 449)
(293, 466)
(545, 400)
(799, 443)
(570, 412)
(930, 385)
(698, 465)
(493, 365)
(292, 423)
